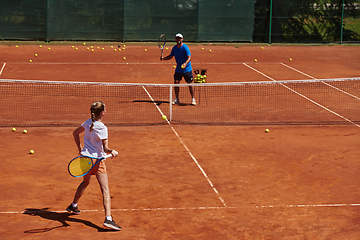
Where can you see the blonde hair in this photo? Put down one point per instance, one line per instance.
(96, 109)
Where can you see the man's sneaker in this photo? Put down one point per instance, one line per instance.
(176, 101)
(72, 209)
(193, 102)
(111, 224)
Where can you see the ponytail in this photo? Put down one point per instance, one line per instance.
(96, 109)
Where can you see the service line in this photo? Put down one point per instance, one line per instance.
(2, 69)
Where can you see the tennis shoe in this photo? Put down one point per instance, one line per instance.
(111, 224)
(72, 209)
(176, 101)
(193, 102)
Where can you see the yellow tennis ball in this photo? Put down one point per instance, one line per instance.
(145, 50)
(163, 117)
(32, 151)
(202, 48)
(167, 48)
(124, 58)
(210, 50)
(14, 130)
(174, 66)
(25, 131)
(255, 60)
(84, 44)
(182, 66)
(40, 46)
(290, 59)
(48, 48)
(35, 55)
(72, 46)
(76, 48)
(267, 130)
(112, 46)
(262, 47)
(30, 61)
(16, 46)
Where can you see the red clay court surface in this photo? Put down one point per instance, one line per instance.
(209, 182)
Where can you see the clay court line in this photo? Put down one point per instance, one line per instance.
(188, 150)
(143, 63)
(322, 82)
(2, 69)
(301, 95)
(198, 208)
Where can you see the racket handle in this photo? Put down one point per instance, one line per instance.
(107, 156)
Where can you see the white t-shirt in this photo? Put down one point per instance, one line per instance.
(93, 145)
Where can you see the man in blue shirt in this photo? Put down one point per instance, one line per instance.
(182, 55)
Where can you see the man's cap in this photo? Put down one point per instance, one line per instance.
(179, 35)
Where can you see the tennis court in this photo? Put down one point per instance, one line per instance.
(186, 181)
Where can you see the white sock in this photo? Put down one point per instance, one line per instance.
(74, 204)
(109, 218)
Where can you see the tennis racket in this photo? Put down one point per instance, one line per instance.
(162, 43)
(82, 165)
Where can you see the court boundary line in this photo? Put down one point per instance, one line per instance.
(2, 69)
(141, 63)
(305, 74)
(198, 208)
(188, 150)
(301, 95)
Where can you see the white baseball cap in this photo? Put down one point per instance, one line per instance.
(179, 35)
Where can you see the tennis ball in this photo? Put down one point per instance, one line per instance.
(16, 46)
(202, 48)
(262, 47)
(30, 61)
(84, 44)
(92, 50)
(199, 76)
(290, 59)
(112, 46)
(98, 47)
(163, 117)
(123, 48)
(72, 46)
(14, 130)
(204, 81)
(102, 48)
(145, 50)
(35, 55)
(174, 66)
(124, 58)
(267, 130)
(182, 66)
(210, 50)
(76, 48)
(25, 131)
(32, 152)
(40, 46)
(167, 48)
(255, 60)
(87, 48)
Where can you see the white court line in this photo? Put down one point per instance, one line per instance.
(351, 95)
(301, 95)
(142, 63)
(2, 69)
(196, 208)
(187, 149)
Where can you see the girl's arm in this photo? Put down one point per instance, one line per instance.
(107, 149)
(76, 134)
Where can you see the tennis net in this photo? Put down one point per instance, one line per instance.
(305, 102)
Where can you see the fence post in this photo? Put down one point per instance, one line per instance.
(342, 22)
(270, 22)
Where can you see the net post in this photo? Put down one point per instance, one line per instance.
(170, 103)
(270, 22)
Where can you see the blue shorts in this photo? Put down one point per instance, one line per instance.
(188, 76)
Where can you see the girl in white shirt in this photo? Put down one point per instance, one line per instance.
(95, 145)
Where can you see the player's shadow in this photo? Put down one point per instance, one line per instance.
(62, 218)
(158, 103)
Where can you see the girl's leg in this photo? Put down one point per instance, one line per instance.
(81, 189)
(104, 186)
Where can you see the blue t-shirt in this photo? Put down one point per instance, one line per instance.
(181, 54)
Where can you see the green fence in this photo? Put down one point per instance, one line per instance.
(127, 20)
(265, 21)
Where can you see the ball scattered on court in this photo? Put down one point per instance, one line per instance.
(262, 47)
(114, 50)
(14, 130)
(92, 50)
(112, 46)
(72, 46)
(48, 48)
(255, 60)
(84, 44)
(290, 59)
(76, 48)
(30, 61)
(145, 50)
(25, 131)
(40, 46)
(124, 58)
(174, 66)
(35, 55)
(32, 152)
(267, 130)
(164, 117)
(202, 48)
(210, 50)
(16, 46)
